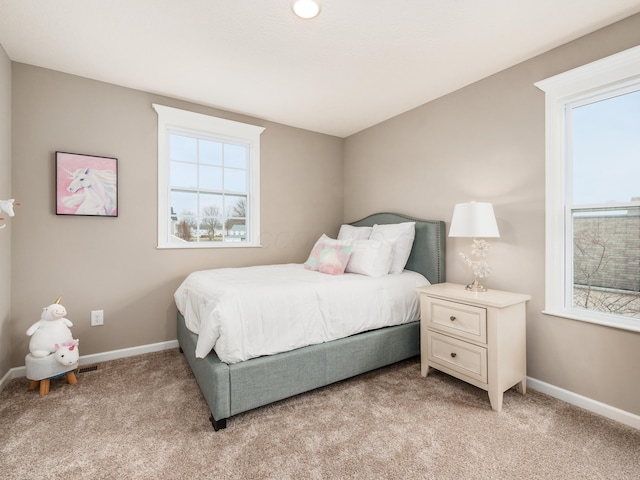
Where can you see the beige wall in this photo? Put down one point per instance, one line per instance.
(5, 233)
(486, 142)
(113, 263)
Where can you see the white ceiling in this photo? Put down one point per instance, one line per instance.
(359, 63)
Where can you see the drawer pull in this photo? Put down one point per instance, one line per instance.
(453, 354)
(452, 318)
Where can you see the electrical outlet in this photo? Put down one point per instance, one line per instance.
(97, 318)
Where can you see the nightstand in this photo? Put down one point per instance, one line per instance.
(478, 337)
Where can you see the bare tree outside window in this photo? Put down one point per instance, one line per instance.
(607, 263)
(185, 226)
(210, 221)
(236, 215)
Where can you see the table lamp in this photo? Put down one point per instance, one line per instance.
(475, 220)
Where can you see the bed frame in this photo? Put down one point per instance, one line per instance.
(236, 388)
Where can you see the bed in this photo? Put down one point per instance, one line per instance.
(233, 388)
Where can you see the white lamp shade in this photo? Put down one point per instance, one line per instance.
(474, 219)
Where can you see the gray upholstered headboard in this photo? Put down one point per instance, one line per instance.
(428, 252)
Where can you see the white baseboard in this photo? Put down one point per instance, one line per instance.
(594, 406)
(128, 352)
(6, 379)
(19, 372)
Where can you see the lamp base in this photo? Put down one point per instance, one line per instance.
(476, 287)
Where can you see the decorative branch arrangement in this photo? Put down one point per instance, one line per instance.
(6, 206)
(480, 267)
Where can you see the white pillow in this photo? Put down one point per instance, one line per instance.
(370, 257)
(401, 235)
(349, 232)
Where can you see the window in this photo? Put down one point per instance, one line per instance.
(593, 192)
(208, 181)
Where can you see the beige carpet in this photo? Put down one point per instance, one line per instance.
(144, 417)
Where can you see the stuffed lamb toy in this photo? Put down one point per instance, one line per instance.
(51, 329)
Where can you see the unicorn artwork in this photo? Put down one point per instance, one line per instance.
(93, 192)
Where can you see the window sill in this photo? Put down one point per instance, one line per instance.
(612, 321)
(196, 246)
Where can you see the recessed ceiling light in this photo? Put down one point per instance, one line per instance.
(305, 8)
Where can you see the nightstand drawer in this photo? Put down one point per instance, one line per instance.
(465, 321)
(462, 357)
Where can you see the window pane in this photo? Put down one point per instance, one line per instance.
(211, 205)
(235, 180)
(236, 206)
(235, 156)
(210, 178)
(183, 148)
(185, 228)
(211, 229)
(606, 263)
(606, 150)
(210, 152)
(184, 203)
(236, 230)
(184, 175)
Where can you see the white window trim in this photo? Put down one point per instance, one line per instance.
(617, 71)
(169, 118)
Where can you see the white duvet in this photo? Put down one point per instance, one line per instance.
(244, 313)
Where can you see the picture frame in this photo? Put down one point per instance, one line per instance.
(86, 185)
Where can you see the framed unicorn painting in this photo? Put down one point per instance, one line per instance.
(86, 185)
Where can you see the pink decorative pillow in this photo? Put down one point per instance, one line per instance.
(329, 256)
